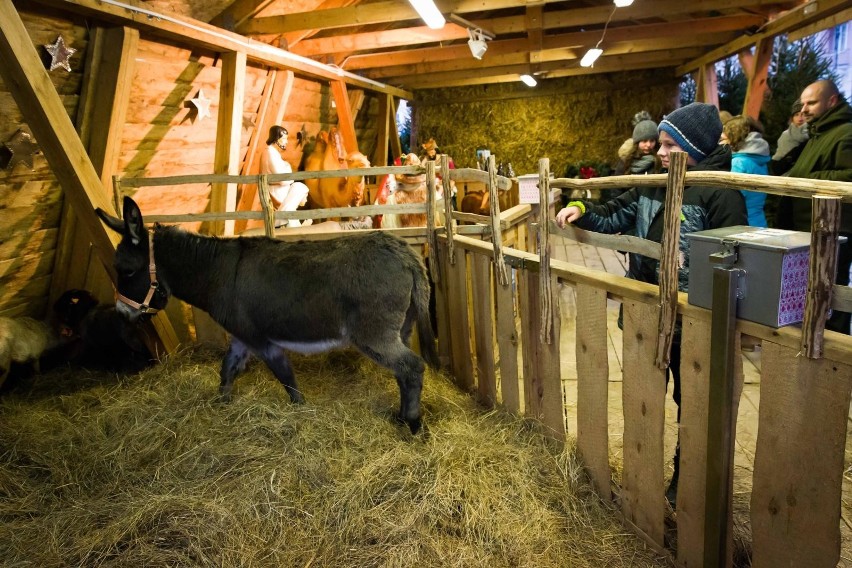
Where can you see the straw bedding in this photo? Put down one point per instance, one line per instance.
(150, 470)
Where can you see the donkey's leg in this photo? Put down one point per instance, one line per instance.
(408, 369)
(278, 362)
(232, 365)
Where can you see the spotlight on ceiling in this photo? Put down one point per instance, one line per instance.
(529, 80)
(623, 3)
(477, 44)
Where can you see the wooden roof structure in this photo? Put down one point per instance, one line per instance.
(386, 40)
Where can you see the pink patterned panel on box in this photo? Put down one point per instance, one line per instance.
(794, 286)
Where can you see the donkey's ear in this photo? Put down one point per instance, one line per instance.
(133, 221)
(113, 223)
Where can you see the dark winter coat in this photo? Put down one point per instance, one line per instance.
(642, 208)
(827, 155)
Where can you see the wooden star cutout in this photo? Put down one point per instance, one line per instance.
(60, 54)
(20, 148)
(202, 104)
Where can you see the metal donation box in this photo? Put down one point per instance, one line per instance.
(774, 271)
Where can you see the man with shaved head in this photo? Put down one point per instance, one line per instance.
(826, 155)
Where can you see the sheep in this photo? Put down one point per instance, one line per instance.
(24, 340)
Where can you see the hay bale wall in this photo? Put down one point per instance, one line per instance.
(567, 120)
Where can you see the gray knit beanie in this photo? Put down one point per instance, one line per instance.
(696, 128)
(645, 130)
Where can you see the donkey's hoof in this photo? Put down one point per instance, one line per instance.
(224, 398)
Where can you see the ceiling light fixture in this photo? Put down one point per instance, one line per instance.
(592, 55)
(429, 13)
(477, 44)
(529, 80)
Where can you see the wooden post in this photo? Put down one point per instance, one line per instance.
(592, 386)
(276, 93)
(449, 223)
(757, 70)
(226, 160)
(380, 157)
(669, 254)
(546, 332)
(431, 237)
(825, 225)
(483, 328)
(344, 116)
(266, 205)
(500, 270)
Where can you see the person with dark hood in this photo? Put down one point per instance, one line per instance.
(696, 130)
(826, 155)
(791, 142)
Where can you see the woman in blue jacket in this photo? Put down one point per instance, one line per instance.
(750, 156)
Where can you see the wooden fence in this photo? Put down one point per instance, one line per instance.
(496, 290)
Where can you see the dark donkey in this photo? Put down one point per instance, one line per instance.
(362, 290)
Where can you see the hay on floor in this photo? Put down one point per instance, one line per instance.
(150, 470)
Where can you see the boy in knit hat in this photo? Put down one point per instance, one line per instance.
(694, 129)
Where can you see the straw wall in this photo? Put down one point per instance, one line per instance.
(567, 120)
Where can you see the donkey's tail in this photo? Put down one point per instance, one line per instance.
(420, 299)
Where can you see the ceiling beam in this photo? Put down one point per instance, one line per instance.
(394, 11)
(547, 56)
(238, 12)
(186, 31)
(605, 64)
(575, 40)
(376, 13)
(787, 22)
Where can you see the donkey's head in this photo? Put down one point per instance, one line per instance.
(137, 289)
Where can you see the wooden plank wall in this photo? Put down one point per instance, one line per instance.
(31, 200)
(162, 135)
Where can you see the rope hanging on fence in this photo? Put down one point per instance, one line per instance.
(669, 252)
(500, 270)
(544, 281)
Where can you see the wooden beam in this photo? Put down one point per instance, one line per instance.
(110, 60)
(35, 95)
(656, 49)
(226, 160)
(707, 85)
(395, 143)
(380, 158)
(606, 64)
(788, 22)
(356, 101)
(391, 11)
(238, 12)
(534, 42)
(186, 31)
(757, 74)
(344, 116)
(279, 85)
(835, 20)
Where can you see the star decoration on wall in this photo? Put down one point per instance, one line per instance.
(20, 148)
(202, 104)
(59, 53)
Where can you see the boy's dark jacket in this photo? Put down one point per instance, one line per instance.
(642, 208)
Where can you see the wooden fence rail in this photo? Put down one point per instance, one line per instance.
(796, 498)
